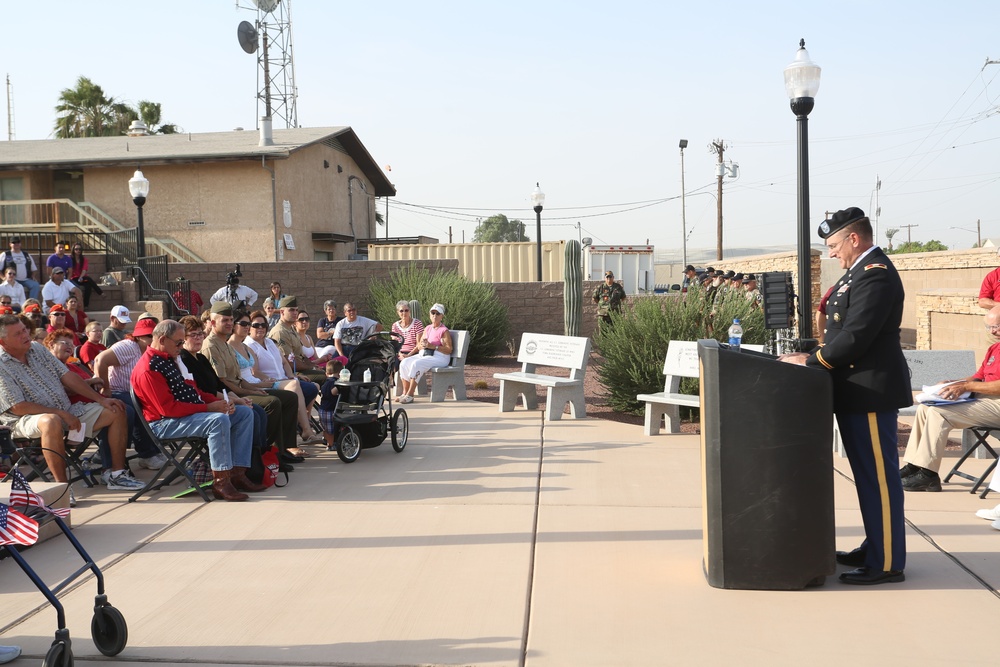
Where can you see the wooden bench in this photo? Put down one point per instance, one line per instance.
(567, 352)
(681, 362)
(451, 376)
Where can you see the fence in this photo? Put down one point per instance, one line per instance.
(42, 244)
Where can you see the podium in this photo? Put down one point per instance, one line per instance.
(767, 471)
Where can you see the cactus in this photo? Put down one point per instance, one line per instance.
(572, 289)
(415, 310)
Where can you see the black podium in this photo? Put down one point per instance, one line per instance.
(767, 471)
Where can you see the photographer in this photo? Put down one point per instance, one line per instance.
(233, 293)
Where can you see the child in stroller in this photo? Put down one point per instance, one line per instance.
(362, 407)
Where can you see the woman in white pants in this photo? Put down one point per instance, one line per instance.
(434, 347)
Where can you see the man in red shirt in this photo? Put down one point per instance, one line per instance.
(989, 292)
(933, 423)
(175, 407)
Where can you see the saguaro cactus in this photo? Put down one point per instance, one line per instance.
(572, 289)
(415, 310)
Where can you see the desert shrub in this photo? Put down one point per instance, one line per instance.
(634, 347)
(469, 305)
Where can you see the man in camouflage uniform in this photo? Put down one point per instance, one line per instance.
(754, 296)
(608, 297)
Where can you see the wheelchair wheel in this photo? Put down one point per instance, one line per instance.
(109, 630)
(348, 445)
(59, 655)
(400, 429)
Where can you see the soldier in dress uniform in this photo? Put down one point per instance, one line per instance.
(870, 383)
(609, 297)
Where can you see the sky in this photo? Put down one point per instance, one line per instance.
(471, 104)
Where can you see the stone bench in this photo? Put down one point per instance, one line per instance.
(567, 352)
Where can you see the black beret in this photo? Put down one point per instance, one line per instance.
(840, 220)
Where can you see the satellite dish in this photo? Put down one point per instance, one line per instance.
(266, 6)
(247, 35)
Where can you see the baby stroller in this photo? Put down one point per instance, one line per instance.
(364, 415)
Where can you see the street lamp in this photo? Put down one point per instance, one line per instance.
(801, 84)
(537, 201)
(684, 258)
(138, 186)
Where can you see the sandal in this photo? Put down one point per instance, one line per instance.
(298, 451)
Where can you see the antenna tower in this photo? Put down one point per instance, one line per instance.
(276, 90)
(10, 110)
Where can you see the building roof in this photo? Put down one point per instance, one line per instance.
(185, 149)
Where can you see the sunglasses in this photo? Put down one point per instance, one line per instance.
(434, 312)
(259, 325)
(58, 314)
(404, 310)
(243, 323)
(303, 319)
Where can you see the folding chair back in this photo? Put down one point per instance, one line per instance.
(28, 449)
(179, 452)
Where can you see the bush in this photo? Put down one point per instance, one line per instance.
(469, 305)
(635, 345)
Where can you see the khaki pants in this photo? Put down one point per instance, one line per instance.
(934, 422)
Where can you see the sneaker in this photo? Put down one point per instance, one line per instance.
(995, 525)
(91, 462)
(989, 515)
(72, 497)
(105, 476)
(907, 470)
(124, 480)
(154, 462)
(922, 480)
(406, 399)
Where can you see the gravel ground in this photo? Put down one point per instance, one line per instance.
(594, 393)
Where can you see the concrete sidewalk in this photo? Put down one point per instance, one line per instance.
(496, 540)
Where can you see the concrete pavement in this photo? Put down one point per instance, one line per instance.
(496, 540)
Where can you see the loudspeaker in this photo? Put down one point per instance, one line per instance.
(779, 299)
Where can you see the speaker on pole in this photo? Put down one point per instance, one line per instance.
(779, 299)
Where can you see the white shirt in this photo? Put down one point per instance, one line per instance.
(243, 293)
(15, 292)
(57, 293)
(24, 263)
(269, 357)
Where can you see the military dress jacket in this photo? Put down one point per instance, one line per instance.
(862, 350)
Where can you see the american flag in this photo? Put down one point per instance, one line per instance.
(15, 528)
(21, 494)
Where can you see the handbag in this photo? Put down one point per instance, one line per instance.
(264, 467)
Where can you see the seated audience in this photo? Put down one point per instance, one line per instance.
(116, 329)
(12, 292)
(409, 328)
(76, 319)
(351, 330)
(58, 289)
(175, 407)
(435, 348)
(34, 403)
(324, 330)
(286, 335)
(91, 345)
(77, 273)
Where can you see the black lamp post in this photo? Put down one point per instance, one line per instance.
(684, 233)
(138, 186)
(801, 84)
(537, 201)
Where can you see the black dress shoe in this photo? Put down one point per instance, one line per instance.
(922, 480)
(285, 467)
(907, 470)
(866, 576)
(284, 457)
(854, 558)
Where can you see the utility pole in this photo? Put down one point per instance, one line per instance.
(909, 232)
(979, 235)
(719, 147)
(10, 110)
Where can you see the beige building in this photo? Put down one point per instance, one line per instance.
(308, 194)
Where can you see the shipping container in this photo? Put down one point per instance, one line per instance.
(632, 265)
(485, 262)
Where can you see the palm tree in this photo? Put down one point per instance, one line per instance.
(84, 111)
(151, 115)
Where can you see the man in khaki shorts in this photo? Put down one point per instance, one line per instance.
(34, 404)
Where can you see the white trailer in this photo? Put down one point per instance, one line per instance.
(632, 265)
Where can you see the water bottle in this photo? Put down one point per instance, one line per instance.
(735, 335)
(368, 375)
(345, 375)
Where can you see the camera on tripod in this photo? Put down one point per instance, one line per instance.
(233, 277)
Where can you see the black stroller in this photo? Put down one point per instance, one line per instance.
(364, 415)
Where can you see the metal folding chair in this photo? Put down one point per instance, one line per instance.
(179, 452)
(980, 433)
(28, 449)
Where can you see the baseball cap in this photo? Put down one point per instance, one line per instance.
(121, 313)
(144, 327)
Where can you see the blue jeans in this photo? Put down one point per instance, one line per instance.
(230, 437)
(31, 287)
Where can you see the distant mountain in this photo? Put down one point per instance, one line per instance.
(706, 256)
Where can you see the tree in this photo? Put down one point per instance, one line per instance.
(498, 229)
(85, 111)
(916, 246)
(889, 233)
